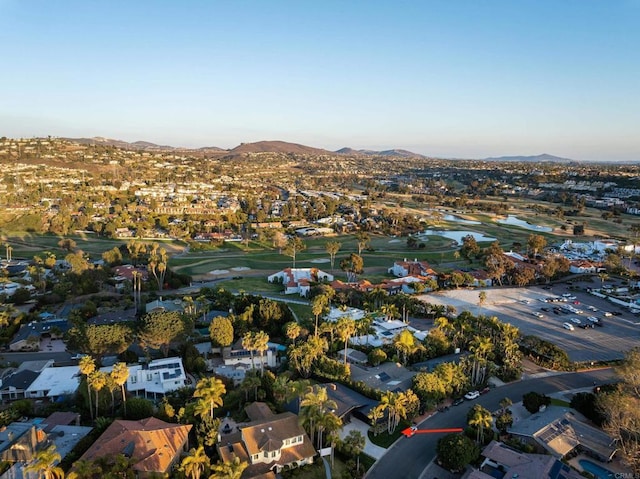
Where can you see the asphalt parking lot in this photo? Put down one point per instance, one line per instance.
(517, 305)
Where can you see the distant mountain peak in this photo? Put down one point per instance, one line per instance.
(543, 158)
(393, 152)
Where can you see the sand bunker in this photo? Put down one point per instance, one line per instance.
(320, 260)
(240, 268)
(219, 271)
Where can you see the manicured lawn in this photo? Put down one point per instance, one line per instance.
(559, 402)
(386, 440)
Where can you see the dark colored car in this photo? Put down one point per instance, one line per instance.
(457, 402)
(485, 390)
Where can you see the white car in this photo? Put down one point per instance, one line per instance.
(592, 308)
(77, 356)
(472, 395)
(607, 314)
(538, 314)
(575, 320)
(593, 319)
(568, 326)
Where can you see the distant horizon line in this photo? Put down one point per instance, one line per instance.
(440, 157)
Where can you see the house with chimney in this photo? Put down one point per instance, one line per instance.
(299, 280)
(404, 268)
(154, 446)
(269, 443)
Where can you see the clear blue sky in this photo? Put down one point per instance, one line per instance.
(449, 78)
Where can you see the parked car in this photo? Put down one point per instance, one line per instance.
(457, 402)
(485, 390)
(472, 395)
(77, 357)
(568, 326)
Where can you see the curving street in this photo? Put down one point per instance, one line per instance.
(409, 457)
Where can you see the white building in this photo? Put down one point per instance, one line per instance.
(298, 280)
(156, 378)
(55, 382)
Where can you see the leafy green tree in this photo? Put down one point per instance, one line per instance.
(160, 329)
(294, 246)
(536, 243)
(455, 451)
(139, 408)
(221, 331)
(353, 266)
(98, 340)
(469, 248)
(377, 356)
(533, 401)
(406, 345)
(332, 247)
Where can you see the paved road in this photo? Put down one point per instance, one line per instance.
(408, 457)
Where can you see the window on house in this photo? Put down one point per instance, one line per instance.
(134, 379)
(266, 454)
(294, 440)
(273, 454)
(149, 376)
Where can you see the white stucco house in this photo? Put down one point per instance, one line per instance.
(298, 280)
(156, 378)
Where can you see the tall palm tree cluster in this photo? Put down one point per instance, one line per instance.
(97, 380)
(394, 407)
(318, 415)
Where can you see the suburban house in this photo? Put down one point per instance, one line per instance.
(237, 355)
(14, 382)
(235, 373)
(29, 335)
(298, 280)
(19, 441)
(349, 403)
(562, 434)
(412, 268)
(502, 461)
(154, 446)
(269, 443)
(54, 383)
(156, 378)
(583, 266)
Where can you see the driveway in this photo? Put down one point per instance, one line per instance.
(369, 448)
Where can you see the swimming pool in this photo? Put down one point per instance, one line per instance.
(598, 471)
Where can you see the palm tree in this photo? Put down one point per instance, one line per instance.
(504, 404)
(374, 416)
(210, 390)
(261, 343)
(87, 367)
(249, 343)
(195, 463)
(44, 464)
(318, 305)
(97, 380)
(120, 374)
(84, 469)
(393, 403)
(482, 298)
(345, 328)
(314, 407)
(292, 331)
(406, 344)
(480, 419)
(229, 470)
